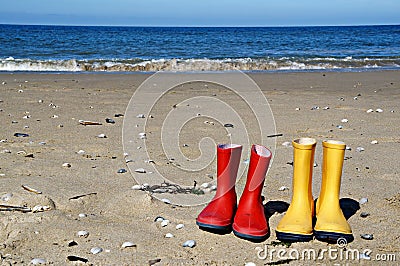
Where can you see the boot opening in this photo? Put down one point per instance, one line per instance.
(262, 151)
(305, 141)
(229, 146)
(337, 142)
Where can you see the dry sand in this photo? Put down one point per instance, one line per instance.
(116, 213)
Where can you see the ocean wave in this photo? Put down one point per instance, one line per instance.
(182, 65)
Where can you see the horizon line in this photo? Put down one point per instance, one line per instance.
(199, 26)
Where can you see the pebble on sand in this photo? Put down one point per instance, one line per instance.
(96, 250)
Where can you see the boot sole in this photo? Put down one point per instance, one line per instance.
(290, 237)
(332, 237)
(251, 237)
(214, 228)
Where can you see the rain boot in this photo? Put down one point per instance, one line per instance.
(218, 214)
(250, 221)
(330, 221)
(296, 225)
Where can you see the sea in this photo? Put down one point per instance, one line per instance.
(149, 49)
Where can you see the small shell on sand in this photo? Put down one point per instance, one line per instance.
(38, 261)
(286, 144)
(169, 235)
(82, 215)
(189, 243)
(121, 171)
(128, 244)
(140, 116)
(374, 142)
(179, 226)
(344, 120)
(360, 149)
(102, 136)
(96, 250)
(164, 223)
(66, 165)
(166, 201)
(379, 110)
(370, 110)
(363, 201)
(83, 233)
(140, 170)
(367, 236)
(283, 188)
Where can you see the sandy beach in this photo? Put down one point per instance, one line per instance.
(48, 108)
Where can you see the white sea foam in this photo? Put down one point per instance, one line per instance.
(196, 64)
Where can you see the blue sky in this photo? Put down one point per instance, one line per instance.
(200, 12)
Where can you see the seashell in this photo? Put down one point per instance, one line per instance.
(283, 188)
(249, 264)
(21, 153)
(31, 189)
(38, 261)
(102, 136)
(339, 127)
(23, 135)
(348, 148)
(205, 185)
(110, 121)
(374, 142)
(169, 235)
(185, 145)
(4, 83)
(159, 219)
(364, 214)
(179, 226)
(42, 143)
(118, 115)
(140, 170)
(96, 250)
(213, 187)
(355, 98)
(54, 116)
(6, 197)
(228, 125)
(315, 108)
(83, 233)
(370, 110)
(20, 91)
(66, 165)
(364, 256)
(344, 120)
(81, 152)
(360, 149)
(286, 144)
(128, 244)
(26, 117)
(121, 171)
(166, 201)
(379, 110)
(189, 243)
(137, 187)
(298, 109)
(326, 108)
(315, 164)
(140, 116)
(367, 236)
(82, 215)
(164, 223)
(363, 201)
(142, 136)
(89, 123)
(40, 208)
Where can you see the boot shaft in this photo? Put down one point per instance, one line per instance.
(228, 160)
(332, 166)
(303, 163)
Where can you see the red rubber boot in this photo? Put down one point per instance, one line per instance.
(250, 222)
(218, 215)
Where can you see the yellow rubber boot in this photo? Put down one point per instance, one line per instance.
(331, 223)
(296, 225)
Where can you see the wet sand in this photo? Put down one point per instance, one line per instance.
(52, 105)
